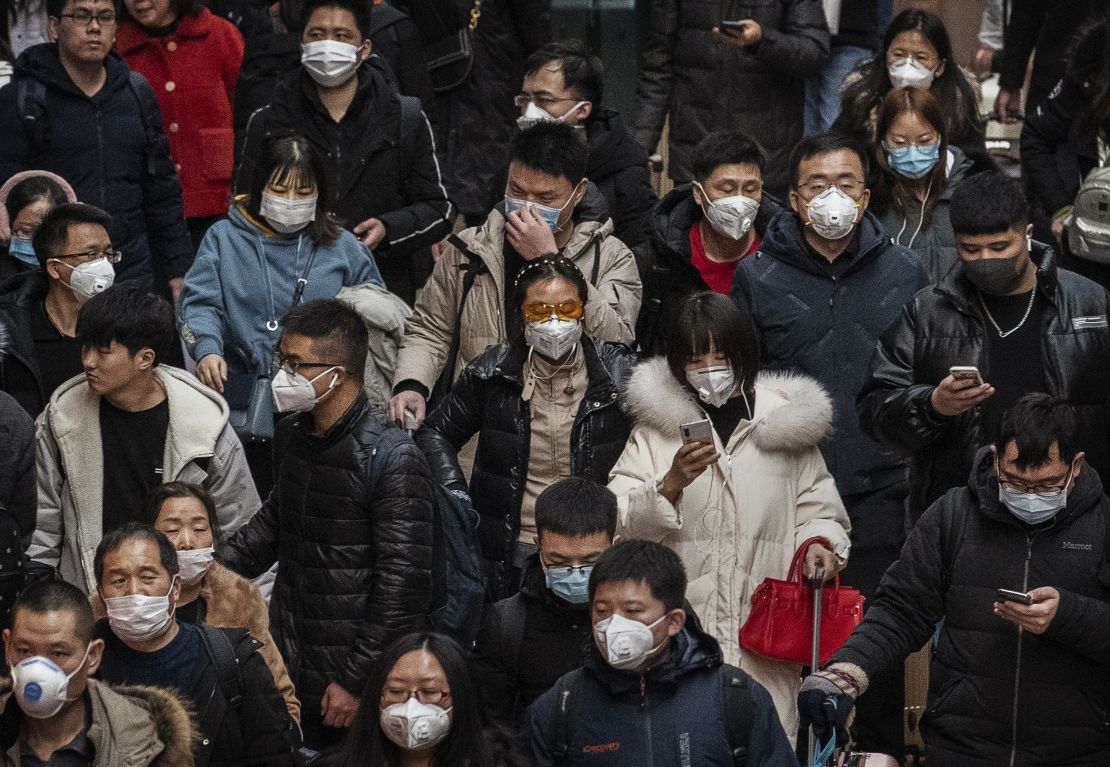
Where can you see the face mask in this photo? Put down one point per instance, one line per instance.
(90, 278)
(329, 62)
(627, 644)
(287, 216)
(714, 384)
(994, 276)
(553, 338)
(569, 583)
(730, 216)
(547, 213)
(137, 618)
(913, 161)
(534, 115)
(414, 725)
(40, 687)
(832, 214)
(22, 249)
(294, 393)
(193, 564)
(1032, 508)
(910, 72)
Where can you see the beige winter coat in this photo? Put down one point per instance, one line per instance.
(612, 304)
(741, 520)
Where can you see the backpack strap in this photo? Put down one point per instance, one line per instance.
(30, 103)
(474, 266)
(736, 711)
(219, 648)
(566, 707)
(513, 613)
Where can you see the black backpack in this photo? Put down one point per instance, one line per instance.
(460, 583)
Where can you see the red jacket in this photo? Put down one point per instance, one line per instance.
(186, 70)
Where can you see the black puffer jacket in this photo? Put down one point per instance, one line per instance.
(666, 272)
(943, 327)
(618, 165)
(350, 522)
(998, 695)
(703, 85)
(486, 400)
(20, 374)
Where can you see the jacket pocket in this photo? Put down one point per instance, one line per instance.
(216, 148)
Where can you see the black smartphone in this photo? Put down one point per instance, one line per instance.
(734, 26)
(1006, 595)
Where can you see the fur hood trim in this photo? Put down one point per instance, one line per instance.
(172, 720)
(793, 412)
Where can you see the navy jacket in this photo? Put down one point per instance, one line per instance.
(106, 147)
(828, 328)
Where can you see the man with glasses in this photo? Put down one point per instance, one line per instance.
(1015, 566)
(74, 108)
(349, 521)
(38, 308)
(825, 284)
(130, 423)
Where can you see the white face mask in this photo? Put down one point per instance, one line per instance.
(627, 644)
(90, 278)
(137, 617)
(714, 384)
(730, 216)
(287, 216)
(414, 725)
(294, 393)
(534, 115)
(193, 564)
(832, 214)
(910, 72)
(329, 62)
(40, 687)
(553, 338)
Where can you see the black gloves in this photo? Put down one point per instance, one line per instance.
(826, 707)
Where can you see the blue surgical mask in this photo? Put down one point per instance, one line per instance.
(913, 161)
(1034, 508)
(547, 213)
(24, 251)
(569, 583)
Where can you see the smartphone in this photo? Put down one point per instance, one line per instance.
(734, 26)
(410, 422)
(1005, 595)
(697, 431)
(965, 373)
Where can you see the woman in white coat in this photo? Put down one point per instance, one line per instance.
(736, 508)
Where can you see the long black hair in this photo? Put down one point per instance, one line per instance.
(471, 742)
(292, 159)
(707, 321)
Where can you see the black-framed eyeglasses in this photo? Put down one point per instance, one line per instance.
(293, 366)
(1047, 490)
(543, 102)
(853, 187)
(392, 696)
(112, 256)
(84, 17)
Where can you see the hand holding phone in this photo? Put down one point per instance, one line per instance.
(739, 33)
(961, 390)
(1006, 595)
(697, 431)
(966, 373)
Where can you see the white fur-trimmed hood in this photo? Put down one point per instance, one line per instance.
(792, 412)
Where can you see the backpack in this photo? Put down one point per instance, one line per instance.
(1088, 226)
(736, 710)
(460, 584)
(384, 315)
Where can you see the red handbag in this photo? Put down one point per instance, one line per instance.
(780, 625)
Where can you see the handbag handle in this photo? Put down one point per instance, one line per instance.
(798, 563)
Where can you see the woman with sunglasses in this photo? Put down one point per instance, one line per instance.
(544, 406)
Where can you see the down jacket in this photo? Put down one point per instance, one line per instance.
(350, 524)
(741, 521)
(486, 400)
(612, 302)
(998, 695)
(618, 165)
(703, 85)
(942, 327)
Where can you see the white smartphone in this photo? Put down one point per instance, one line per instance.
(697, 431)
(410, 422)
(966, 373)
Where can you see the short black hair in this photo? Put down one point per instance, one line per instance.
(53, 233)
(131, 317)
(643, 561)
(545, 268)
(708, 319)
(576, 506)
(167, 554)
(988, 203)
(823, 143)
(1033, 423)
(55, 7)
(60, 597)
(726, 147)
(583, 73)
(162, 493)
(360, 9)
(552, 148)
(31, 190)
(337, 330)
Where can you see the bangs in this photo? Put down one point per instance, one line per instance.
(297, 174)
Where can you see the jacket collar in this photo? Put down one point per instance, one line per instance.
(785, 241)
(510, 367)
(959, 290)
(691, 650)
(131, 36)
(340, 429)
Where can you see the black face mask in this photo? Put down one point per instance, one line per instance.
(994, 276)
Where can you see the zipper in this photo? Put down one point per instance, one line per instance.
(1017, 672)
(647, 720)
(100, 155)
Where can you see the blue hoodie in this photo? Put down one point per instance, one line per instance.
(243, 281)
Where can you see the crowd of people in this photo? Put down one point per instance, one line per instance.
(363, 405)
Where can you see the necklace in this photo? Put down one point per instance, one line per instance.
(1024, 317)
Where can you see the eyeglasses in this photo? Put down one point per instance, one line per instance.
(112, 256)
(429, 696)
(1037, 489)
(537, 312)
(84, 17)
(852, 187)
(564, 570)
(543, 102)
(293, 366)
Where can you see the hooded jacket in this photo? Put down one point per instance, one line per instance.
(612, 301)
(200, 448)
(20, 374)
(131, 726)
(742, 520)
(619, 167)
(106, 146)
(943, 326)
(670, 716)
(999, 695)
(243, 280)
(827, 328)
(668, 275)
